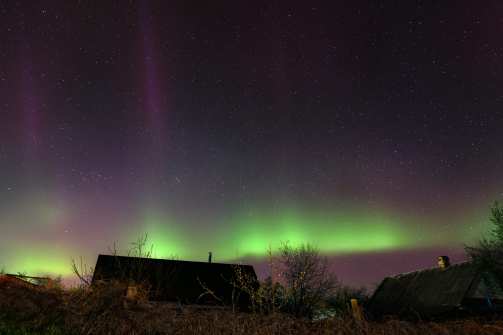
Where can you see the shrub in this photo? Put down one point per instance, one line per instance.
(307, 279)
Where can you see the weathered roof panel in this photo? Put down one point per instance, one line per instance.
(425, 292)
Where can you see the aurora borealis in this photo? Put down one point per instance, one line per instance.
(369, 129)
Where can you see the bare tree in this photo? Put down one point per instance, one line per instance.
(83, 272)
(307, 279)
(139, 249)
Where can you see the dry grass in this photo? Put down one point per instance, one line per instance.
(104, 310)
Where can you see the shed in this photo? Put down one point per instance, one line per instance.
(179, 281)
(437, 292)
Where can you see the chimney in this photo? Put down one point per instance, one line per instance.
(443, 262)
(209, 257)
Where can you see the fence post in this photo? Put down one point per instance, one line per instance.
(356, 310)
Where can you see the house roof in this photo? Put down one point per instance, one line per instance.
(427, 292)
(25, 280)
(8, 278)
(175, 280)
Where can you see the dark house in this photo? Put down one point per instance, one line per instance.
(180, 281)
(26, 280)
(445, 291)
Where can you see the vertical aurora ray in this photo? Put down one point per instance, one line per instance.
(154, 105)
(153, 91)
(29, 103)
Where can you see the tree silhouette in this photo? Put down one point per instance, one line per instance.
(307, 279)
(488, 253)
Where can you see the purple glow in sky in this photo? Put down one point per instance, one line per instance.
(370, 129)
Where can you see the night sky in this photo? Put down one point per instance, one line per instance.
(371, 129)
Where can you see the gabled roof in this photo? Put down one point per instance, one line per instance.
(12, 279)
(174, 280)
(425, 293)
(26, 280)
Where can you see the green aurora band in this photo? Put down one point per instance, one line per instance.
(39, 261)
(246, 233)
(330, 232)
(250, 233)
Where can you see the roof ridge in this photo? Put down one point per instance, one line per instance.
(428, 269)
(174, 260)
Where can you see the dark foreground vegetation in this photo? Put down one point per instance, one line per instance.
(105, 310)
(306, 300)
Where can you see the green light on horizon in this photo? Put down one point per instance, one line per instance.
(330, 232)
(39, 263)
(253, 232)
